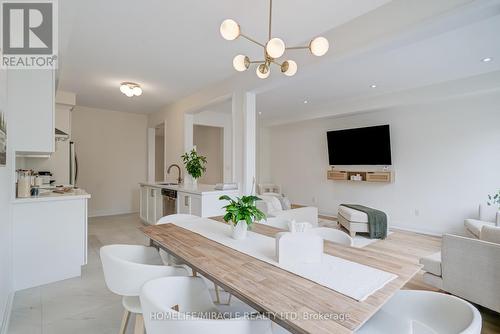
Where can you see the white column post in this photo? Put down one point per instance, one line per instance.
(244, 140)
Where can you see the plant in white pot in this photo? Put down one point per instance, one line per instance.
(195, 164)
(494, 200)
(241, 213)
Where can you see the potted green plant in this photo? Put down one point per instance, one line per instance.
(195, 164)
(494, 199)
(241, 213)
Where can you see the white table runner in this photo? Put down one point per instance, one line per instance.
(349, 278)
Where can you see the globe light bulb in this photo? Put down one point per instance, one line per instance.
(241, 63)
(263, 71)
(137, 91)
(129, 93)
(124, 88)
(275, 48)
(229, 29)
(289, 68)
(319, 46)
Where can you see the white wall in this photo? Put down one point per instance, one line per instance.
(224, 120)
(209, 142)
(6, 286)
(446, 158)
(112, 157)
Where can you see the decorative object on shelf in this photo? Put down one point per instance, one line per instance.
(241, 214)
(494, 199)
(3, 139)
(195, 164)
(131, 89)
(274, 48)
(363, 176)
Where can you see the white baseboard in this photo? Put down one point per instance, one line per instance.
(110, 213)
(6, 316)
(414, 230)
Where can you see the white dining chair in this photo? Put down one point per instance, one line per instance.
(182, 305)
(333, 235)
(424, 312)
(126, 269)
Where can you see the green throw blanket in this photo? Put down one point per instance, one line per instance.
(377, 220)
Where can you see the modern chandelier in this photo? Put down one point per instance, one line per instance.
(273, 50)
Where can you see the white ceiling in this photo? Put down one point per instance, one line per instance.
(444, 57)
(173, 48)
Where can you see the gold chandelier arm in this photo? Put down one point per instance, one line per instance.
(257, 62)
(252, 40)
(297, 47)
(270, 17)
(275, 62)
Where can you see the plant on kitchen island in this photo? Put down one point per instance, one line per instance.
(195, 164)
(242, 209)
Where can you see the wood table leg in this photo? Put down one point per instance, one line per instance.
(126, 317)
(139, 324)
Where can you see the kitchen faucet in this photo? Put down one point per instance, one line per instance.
(179, 179)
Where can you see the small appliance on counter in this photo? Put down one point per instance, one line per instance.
(24, 182)
(46, 177)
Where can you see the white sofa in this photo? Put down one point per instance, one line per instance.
(468, 267)
(273, 209)
(488, 216)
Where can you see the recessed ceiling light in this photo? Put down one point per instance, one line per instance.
(487, 60)
(260, 112)
(373, 86)
(306, 102)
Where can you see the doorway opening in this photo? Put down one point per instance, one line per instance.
(209, 142)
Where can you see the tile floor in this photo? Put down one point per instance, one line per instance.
(78, 305)
(84, 305)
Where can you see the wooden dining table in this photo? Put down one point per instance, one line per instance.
(294, 302)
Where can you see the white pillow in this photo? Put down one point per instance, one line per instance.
(273, 203)
(284, 201)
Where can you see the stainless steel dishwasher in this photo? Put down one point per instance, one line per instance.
(169, 201)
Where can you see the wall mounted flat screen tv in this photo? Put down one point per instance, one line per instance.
(361, 146)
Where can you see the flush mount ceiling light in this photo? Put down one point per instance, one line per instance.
(274, 48)
(130, 89)
(487, 60)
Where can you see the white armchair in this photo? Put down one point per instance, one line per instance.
(488, 216)
(272, 207)
(468, 268)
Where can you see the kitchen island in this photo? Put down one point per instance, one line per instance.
(199, 200)
(49, 237)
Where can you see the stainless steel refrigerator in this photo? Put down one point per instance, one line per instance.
(73, 164)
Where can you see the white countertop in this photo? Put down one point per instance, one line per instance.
(51, 196)
(198, 189)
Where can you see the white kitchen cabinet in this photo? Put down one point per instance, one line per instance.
(189, 203)
(151, 205)
(200, 200)
(143, 211)
(32, 104)
(49, 239)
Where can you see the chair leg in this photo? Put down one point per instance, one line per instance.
(353, 234)
(217, 296)
(126, 317)
(139, 324)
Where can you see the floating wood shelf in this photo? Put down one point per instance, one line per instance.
(344, 175)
